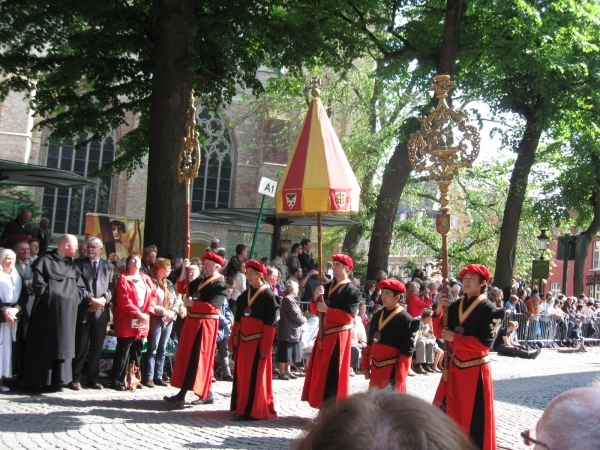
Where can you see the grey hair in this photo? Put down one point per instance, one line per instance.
(456, 288)
(95, 241)
(122, 263)
(6, 252)
(579, 431)
(495, 291)
(291, 284)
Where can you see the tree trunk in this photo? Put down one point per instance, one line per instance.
(592, 230)
(171, 86)
(394, 179)
(399, 168)
(509, 230)
(352, 239)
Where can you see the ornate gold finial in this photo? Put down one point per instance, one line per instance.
(189, 158)
(444, 144)
(442, 85)
(315, 84)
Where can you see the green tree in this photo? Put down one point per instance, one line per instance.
(87, 64)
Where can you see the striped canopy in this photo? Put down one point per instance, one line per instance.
(318, 177)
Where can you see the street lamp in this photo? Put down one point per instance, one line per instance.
(542, 242)
(541, 268)
(443, 145)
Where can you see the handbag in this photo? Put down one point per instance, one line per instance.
(133, 377)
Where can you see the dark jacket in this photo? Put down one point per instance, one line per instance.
(289, 328)
(96, 286)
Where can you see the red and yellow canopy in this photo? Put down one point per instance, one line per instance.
(318, 177)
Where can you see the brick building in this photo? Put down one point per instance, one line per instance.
(240, 149)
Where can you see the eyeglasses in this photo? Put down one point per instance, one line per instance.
(529, 439)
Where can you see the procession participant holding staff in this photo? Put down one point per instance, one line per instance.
(196, 352)
(467, 395)
(252, 338)
(391, 342)
(328, 370)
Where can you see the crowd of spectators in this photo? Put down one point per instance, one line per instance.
(143, 287)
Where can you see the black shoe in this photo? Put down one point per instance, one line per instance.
(118, 387)
(140, 386)
(428, 369)
(240, 417)
(52, 389)
(537, 353)
(292, 376)
(209, 400)
(175, 401)
(228, 378)
(283, 376)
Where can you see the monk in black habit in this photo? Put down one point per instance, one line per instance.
(50, 342)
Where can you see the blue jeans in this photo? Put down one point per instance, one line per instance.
(157, 341)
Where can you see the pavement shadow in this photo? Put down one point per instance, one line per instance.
(537, 391)
(39, 423)
(250, 443)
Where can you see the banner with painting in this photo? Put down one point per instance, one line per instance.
(122, 236)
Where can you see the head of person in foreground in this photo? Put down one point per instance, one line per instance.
(383, 420)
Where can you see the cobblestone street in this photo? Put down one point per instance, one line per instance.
(138, 420)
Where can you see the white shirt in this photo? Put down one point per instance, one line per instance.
(10, 286)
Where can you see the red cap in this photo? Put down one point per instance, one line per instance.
(477, 269)
(256, 265)
(344, 259)
(392, 285)
(213, 257)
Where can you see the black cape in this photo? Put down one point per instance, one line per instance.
(51, 332)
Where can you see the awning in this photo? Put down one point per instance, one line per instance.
(20, 174)
(250, 215)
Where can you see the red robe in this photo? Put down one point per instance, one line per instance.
(328, 370)
(388, 360)
(468, 395)
(253, 336)
(196, 352)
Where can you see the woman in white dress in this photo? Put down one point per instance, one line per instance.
(10, 291)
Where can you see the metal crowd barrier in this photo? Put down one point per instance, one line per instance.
(540, 329)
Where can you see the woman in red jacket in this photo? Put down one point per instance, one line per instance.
(135, 297)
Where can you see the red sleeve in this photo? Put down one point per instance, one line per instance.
(336, 317)
(402, 373)
(123, 300)
(266, 342)
(469, 343)
(416, 302)
(438, 324)
(312, 306)
(233, 335)
(182, 287)
(366, 356)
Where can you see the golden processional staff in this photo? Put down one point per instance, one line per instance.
(189, 164)
(318, 178)
(443, 145)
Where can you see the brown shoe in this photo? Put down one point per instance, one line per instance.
(97, 386)
(158, 382)
(420, 370)
(149, 384)
(75, 385)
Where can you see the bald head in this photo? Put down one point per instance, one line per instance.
(67, 246)
(567, 421)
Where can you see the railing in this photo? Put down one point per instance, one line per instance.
(545, 329)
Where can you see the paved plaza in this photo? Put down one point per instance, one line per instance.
(138, 420)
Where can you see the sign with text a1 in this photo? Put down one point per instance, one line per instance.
(267, 187)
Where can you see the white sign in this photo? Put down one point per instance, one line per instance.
(267, 187)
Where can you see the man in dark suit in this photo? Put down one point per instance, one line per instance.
(93, 314)
(42, 234)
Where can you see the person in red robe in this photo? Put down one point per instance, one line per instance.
(391, 341)
(328, 369)
(467, 395)
(252, 339)
(196, 352)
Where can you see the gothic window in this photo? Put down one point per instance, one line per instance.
(212, 188)
(66, 208)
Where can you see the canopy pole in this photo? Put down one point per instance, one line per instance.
(260, 212)
(320, 265)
